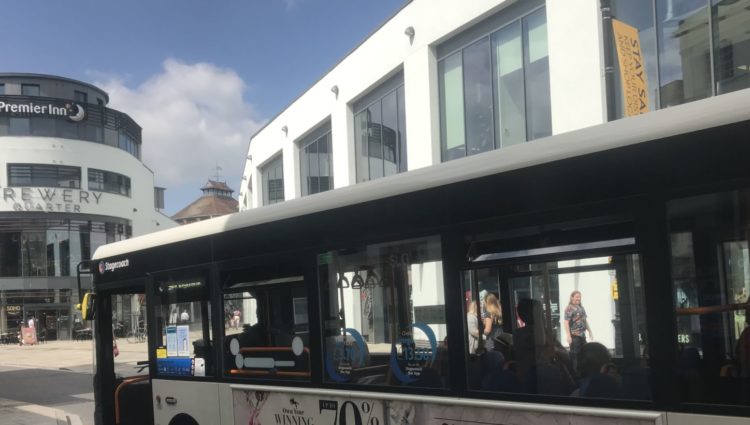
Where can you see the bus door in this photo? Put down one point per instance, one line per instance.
(122, 381)
(538, 300)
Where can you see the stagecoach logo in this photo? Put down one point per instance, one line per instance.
(105, 266)
(72, 111)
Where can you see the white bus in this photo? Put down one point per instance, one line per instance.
(370, 304)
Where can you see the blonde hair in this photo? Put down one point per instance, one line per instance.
(492, 304)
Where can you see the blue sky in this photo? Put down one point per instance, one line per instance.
(223, 67)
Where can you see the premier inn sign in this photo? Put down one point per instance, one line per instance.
(46, 199)
(72, 111)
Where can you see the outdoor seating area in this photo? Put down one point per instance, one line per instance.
(9, 338)
(82, 334)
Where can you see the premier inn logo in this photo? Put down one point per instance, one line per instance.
(72, 111)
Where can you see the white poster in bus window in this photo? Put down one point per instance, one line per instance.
(171, 341)
(183, 343)
(262, 407)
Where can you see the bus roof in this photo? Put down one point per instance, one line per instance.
(682, 119)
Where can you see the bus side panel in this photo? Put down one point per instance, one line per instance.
(199, 400)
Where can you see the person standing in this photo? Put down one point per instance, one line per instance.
(576, 324)
(492, 320)
(472, 327)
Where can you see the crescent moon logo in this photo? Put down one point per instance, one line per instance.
(79, 115)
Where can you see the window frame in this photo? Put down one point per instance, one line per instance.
(486, 30)
(41, 168)
(395, 85)
(278, 163)
(321, 134)
(122, 181)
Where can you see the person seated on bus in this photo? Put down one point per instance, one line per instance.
(599, 377)
(542, 368)
(497, 377)
(528, 340)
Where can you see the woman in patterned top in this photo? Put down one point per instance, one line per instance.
(576, 324)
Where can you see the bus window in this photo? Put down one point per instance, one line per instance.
(183, 319)
(557, 320)
(266, 328)
(384, 312)
(711, 282)
(128, 331)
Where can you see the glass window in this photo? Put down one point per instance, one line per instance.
(266, 328)
(19, 126)
(80, 96)
(678, 44)
(711, 283)
(380, 139)
(572, 325)
(384, 313)
(183, 319)
(315, 162)
(510, 109)
(43, 175)
(107, 181)
(129, 314)
(478, 97)
(536, 73)
(731, 45)
(495, 91)
(2, 88)
(452, 107)
(684, 51)
(30, 89)
(273, 181)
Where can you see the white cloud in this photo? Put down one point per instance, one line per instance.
(193, 116)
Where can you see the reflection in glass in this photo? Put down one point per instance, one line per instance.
(684, 51)
(507, 50)
(536, 61)
(711, 282)
(478, 97)
(380, 137)
(315, 165)
(384, 313)
(731, 20)
(495, 92)
(452, 107)
(273, 182)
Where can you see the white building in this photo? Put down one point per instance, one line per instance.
(72, 179)
(442, 79)
(445, 79)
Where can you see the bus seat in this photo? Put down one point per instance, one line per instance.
(131, 396)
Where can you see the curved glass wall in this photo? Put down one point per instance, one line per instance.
(44, 247)
(31, 116)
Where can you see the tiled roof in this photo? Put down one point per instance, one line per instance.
(207, 207)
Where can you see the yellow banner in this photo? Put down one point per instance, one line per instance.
(632, 68)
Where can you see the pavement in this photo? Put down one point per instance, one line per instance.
(50, 364)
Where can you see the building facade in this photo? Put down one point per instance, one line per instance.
(72, 180)
(444, 79)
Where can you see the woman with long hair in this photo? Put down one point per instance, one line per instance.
(576, 324)
(492, 319)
